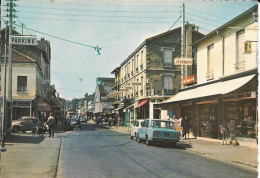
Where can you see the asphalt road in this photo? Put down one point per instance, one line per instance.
(97, 152)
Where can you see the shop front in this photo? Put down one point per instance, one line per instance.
(142, 109)
(22, 108)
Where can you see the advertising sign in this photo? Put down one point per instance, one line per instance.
(23, 40)
(188, 80)
(183, 61)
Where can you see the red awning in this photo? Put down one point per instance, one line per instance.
(142, 103)
(43, 105)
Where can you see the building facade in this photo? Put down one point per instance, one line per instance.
(226, 89)
(148, 76)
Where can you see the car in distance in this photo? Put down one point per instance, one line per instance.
(158, 130)
(83, 119)
(27, 123)
(134, 129)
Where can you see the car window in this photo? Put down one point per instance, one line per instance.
(146, 123)
(162, 124)
(142, 123)
(137, 124)
(26, 121)
(35, 121)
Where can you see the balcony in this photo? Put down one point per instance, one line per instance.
(240, 65)
(210, 75)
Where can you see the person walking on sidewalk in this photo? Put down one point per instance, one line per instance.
(51, 123)
(224, 129)
(185, 126)
(110, 119)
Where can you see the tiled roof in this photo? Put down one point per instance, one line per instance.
(20, 57)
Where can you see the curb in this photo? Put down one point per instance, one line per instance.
(54, 165)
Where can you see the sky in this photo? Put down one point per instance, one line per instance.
(117, 26)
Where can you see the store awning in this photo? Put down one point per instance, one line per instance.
(142, 103)
(42, 105)
(210, 90)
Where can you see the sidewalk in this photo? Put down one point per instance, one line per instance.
(25, 155)
(246, 154)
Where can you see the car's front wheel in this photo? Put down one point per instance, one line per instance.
(147, 141)
(16, 129)
(138, 139)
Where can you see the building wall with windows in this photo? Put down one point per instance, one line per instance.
(231, 40)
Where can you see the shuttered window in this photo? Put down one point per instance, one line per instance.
(167, 57)
(21, 83)
(168, 82)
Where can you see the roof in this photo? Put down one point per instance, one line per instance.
(20, 57)
(252, 9)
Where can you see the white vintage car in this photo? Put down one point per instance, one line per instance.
(134, 129)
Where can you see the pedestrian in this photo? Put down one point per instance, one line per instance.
(185, 126)
(224, 130)
(110, 120)
(51, 122)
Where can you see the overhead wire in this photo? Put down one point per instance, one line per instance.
(87, 15)
(58, 37)
(94, 21)
(92, 10)
(206, 13)
(106, 5)
(174, 23)
(204, 18)
(202, 22)
(21, 23)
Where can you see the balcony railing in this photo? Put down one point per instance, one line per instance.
(210, 75)
(240, 65)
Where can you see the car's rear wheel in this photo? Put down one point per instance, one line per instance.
(147, 141)
(137, 138)
(16, 129)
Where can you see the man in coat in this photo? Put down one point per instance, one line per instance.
(51, 122)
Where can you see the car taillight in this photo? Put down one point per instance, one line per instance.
(156, 133)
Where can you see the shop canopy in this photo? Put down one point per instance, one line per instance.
(142, 103)
(219, 88)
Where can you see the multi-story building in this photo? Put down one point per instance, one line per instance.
(148, 75)
(227, 63)
(30, 78)
(103, 104)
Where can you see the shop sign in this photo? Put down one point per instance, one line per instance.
(183, 61)
(43, 105)
(188, 80)
(239, 96)
(248, 47)
(23, 40)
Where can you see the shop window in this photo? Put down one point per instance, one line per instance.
(210, 62)
(240, 60)
(21, 83)
(167, 57)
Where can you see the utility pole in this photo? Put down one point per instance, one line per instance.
(184, 67)
(11, 15)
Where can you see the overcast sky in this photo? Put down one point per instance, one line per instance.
(117, 26)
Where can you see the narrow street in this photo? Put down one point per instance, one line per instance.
(97, 152)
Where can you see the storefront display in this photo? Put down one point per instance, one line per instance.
(242, 117)
(208, 120)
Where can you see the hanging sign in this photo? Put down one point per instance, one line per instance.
(183, 61)
(23, 40)
(189, 80)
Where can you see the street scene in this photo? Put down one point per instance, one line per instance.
(129, 89)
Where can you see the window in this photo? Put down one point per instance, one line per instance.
(146, 123)
(167, 57)
(168, 82)
(210, 62)
(21, 83)
(240, 60)
(137, 124)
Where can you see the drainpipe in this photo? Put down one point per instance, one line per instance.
(223, 53)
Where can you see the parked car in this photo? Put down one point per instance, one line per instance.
(27, 123)
(83, 119)
(158, 130)
(134, 129)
